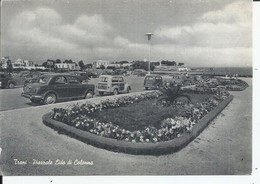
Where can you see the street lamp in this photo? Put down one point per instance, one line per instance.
(149, 36)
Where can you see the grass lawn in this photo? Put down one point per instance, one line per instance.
(140, 115)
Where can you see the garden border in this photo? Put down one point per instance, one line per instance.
(138, 148)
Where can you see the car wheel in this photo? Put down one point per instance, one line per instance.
(89, 94)
(49, 99)
(128, 90)
(115, 92)
(101, 93)
(11, 85)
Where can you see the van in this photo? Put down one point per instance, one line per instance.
(153, 82)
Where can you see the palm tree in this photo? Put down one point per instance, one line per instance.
(170, 93)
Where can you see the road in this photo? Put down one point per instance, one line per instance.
(11, 98)
(224, 147)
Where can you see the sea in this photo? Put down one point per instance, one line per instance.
(241, 71)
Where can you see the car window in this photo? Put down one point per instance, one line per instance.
(149, 78)
(115, 79)
(43, 79)
(60, 80)
(120, 79)
(158, 78)
(103, 79)
(73, 80)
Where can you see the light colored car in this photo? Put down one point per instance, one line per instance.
(112, 84)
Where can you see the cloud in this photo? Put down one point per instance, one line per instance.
(44, 28)
(221, 37)
(229, 27)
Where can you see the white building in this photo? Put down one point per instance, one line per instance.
(25, 64)
(4, 62)
(66, 66)
(98, 63)
(183, 69)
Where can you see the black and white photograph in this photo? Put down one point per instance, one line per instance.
(126, 87)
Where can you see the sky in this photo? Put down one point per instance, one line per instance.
(204, 33)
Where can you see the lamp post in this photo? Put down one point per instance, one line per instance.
(149, 36)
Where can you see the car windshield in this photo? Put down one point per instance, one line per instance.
(103, 79)
(149, 78)
(43, 79)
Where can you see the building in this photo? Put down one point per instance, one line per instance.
(25, 64)
(98, 63)
(4, 62)
(66, 66)
(183, 69)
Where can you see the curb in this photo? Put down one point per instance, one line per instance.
(158, 148)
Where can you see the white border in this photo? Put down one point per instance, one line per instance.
(254, 178)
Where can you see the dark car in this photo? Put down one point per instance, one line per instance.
(7, 81)
(153, 82)
(52, 87)
(83, 76)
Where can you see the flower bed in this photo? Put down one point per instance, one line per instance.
(143, 148)
(169, 128)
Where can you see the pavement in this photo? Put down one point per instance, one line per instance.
(223, 148)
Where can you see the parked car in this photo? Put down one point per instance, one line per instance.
(52, 87)
(7, 81)
(83, 76)
(91, 74)
(153, 82)
(140, 72)
(112, 84)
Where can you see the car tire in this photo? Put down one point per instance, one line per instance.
(101, 93)
(50, 98)
(89, 94)
(115, 92)
(11, 85)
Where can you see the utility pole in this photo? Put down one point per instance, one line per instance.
(149, 36)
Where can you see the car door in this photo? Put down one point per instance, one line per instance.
(76, 89)
(61, 86)
(121, 83)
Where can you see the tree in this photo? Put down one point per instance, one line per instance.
(102, 67)
(58, 61)
(111, 67)
(180, 64)
(143, 65)
(81, 65)
(9, 67)
(87, 66)
(170, 93)
(156, 63)
(123, 62)
(168, 63)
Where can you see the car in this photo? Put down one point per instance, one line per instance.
(112, 84)
(92, 74)
(140, 72)
(53, 87)
(83, 76)
(6, 80)
(153, 82)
